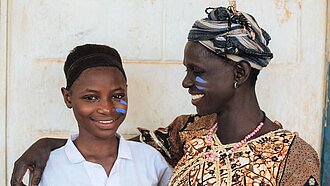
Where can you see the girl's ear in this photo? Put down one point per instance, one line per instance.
(66, 97)
(242, 72)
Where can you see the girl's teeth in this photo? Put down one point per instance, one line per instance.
(197, 96)
(106, 122)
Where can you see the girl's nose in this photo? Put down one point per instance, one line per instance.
(106, 107)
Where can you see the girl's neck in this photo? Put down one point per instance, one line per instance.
(103, 152)
(98, 148)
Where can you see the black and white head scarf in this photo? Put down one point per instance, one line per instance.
(234, 35)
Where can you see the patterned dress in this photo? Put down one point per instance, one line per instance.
(276, 158)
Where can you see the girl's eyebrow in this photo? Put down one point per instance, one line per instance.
(90, 90)
(96, 91)
(119, 88)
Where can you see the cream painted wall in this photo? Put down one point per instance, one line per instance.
(3, 32)
(150, 35)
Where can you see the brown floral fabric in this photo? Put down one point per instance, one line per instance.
(170, 140)
(302, 165)
(276, 158)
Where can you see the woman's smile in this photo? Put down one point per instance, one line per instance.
(195, 98)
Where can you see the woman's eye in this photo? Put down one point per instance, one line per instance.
(90, 98)
(197, 72)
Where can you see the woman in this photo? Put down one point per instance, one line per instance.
(239, 144)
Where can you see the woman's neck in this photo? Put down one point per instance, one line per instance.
(240, 119)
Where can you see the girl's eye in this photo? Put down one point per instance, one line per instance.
(118, 96)
(90, 98)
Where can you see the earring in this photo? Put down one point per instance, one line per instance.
(69, 107)
(235, 85)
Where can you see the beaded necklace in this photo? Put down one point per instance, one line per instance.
(211, 155)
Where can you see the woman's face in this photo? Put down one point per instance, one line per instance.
(99, 101)
(209, 79)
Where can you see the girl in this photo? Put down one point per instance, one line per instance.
(96, 92)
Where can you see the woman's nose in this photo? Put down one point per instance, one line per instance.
(187, 82)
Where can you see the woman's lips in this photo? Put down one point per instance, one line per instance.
(195, 98)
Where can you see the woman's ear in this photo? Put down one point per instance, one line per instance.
(66, 97)
(242, 73)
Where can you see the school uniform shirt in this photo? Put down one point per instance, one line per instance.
(137, 164)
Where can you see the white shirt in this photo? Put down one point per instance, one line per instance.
(137, 164)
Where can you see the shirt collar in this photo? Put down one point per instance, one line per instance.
(124, 150)
(74, 156)
(72, 152)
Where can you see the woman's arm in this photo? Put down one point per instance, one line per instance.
(34, 159)
(302, 166)
(135, 138)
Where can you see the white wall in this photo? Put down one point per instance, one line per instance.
(3, 124)
(150, 35)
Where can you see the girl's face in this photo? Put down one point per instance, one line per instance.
(209, 79)
(98, 98)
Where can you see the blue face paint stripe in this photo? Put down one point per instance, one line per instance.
(200, 80)
(200, 87)
(123, 102)
(120, 110)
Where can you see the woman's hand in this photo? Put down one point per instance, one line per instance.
(35, 159)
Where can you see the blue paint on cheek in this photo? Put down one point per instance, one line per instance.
(120, 110)
(200, 80)
(123, 102)
(200, 87)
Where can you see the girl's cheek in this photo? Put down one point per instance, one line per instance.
(122, 107)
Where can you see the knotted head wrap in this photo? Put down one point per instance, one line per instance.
(88, 56)
(233, 34)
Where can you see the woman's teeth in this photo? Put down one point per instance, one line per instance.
(196, 96)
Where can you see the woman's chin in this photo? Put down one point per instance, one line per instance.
(203, 112)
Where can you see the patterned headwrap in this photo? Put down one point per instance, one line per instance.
(234, 35)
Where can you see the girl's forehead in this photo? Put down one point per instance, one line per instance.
(101, 68)
(110, 71)
(100, 77)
